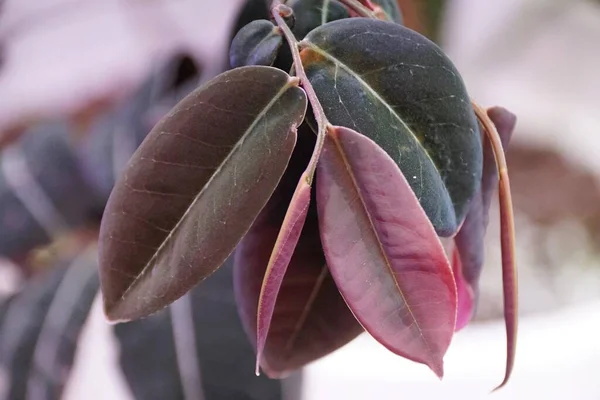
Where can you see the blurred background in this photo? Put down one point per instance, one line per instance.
(83, 82)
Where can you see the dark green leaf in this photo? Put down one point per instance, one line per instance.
(313, 13)
(194, 187)
(397, 87)
(255, 44)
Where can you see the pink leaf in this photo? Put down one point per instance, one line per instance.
(382, 250)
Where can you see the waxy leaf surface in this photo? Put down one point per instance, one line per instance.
(382, 251)
(255, 44)
(395, 86)
(310, 319)
(471, 236)
(195, 186)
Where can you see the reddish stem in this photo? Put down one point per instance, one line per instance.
(507, 239)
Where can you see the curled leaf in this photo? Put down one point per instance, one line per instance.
(398, 88)
(470, 238)
(255, 44)
(382, 251)
(195, 186)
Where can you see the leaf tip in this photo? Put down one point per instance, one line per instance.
(437, 366)
(257, 369)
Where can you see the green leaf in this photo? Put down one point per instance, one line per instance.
(195, 186)
(255, 44)
(398, 88)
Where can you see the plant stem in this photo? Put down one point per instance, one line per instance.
(359, 8)
(322, 122)
(507, 240)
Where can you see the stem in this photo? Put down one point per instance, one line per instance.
(507, 239)
(359, 8)
(322, 122)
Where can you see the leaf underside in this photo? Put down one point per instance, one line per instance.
(382, 251)
(398, 88)
(194, 187)
(310, 318)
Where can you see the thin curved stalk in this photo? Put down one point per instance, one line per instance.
(507, 239)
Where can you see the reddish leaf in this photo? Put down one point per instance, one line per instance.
(310, 318)
(507, 230)
(382, 250)
(470, 238)
(466, 298)
(286, 242)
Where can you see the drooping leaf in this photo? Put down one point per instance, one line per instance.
(391, 9)
(282, 253)
(310, 318)
(397, 87)
(382, 251)
(194, 187)
(470, 238)
(255, 44)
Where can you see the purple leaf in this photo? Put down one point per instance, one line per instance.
(470, 238)
(194, 187)
(382, 251)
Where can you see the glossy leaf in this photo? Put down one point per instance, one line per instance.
(398, 88)
(194, 187)
(382, 251)
(470, 238)
(310, 318)
(255, 44)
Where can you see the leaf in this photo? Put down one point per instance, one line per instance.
(194, 187)
(310, 318)
(383, 253)
(470, 238)
(255, 44)
(312, 13)
(392, 84)
(391, 10)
